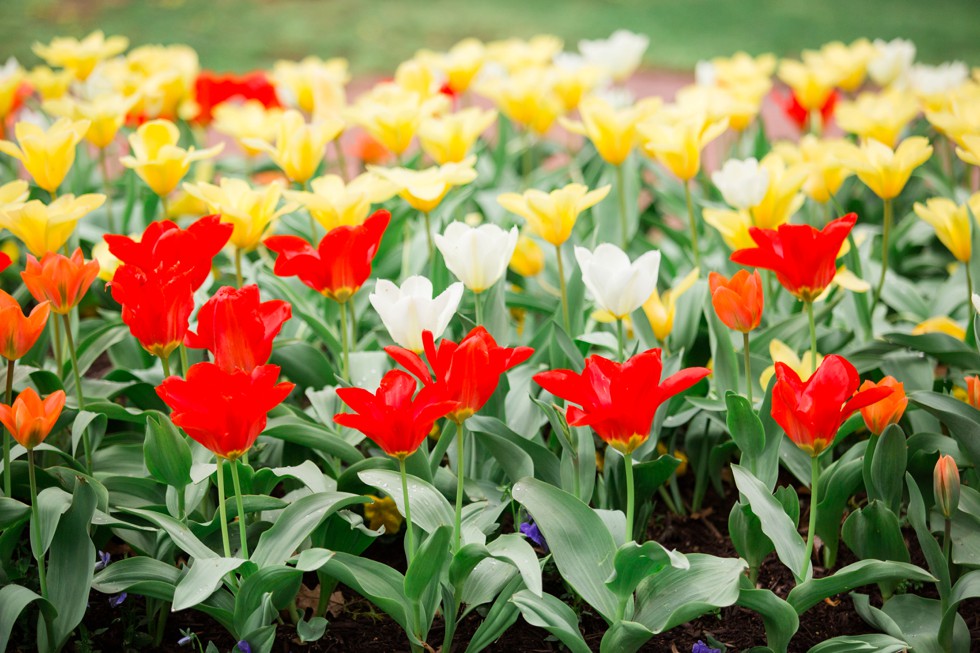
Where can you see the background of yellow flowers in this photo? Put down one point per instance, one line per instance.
(377, 34)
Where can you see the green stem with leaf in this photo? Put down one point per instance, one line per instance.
(86, 440)
(460, 434)
(564, 291)
(814, 500)
(7, 489)
(242, 532)
(693, 222)
(36, 524)
(222, 511)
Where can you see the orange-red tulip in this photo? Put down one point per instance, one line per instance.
(738, 301)
(19, 332)
(880, 415)
(60, 280)
(973, 391)
(30, 420)
(946, 486)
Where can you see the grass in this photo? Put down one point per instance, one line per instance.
(375, 35)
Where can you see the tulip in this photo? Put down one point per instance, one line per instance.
(891, 61)
(957, 120)
(952, 223)
(782, 198)
(973, 390)
(847, 64)
(612, 131)
(237, 328)
(552, 216)
(105, 113)
(449, 138)
(812, 84)
(946, 487)
(738, 302)
(811, 412)
(888, 411)
(300, 83)
(619, 401)
(156, 308)
(801, 117)
(461, 63)
(748, 76)
(299, 147)
(970, 150)
(477, 256)
(47, 228)
(13, 194)
(528, 258)
(515, 54)
(157, 158)
(11, 80)
(934, 84)
(60, 280)
(212, 89)
(224, 412)
(880, 117)
(383, 512)
(247, 122)
(528, 98)
(393, 115)
(81, 56)
(732, 226)
(50, 84)
(738, 106)
(819, 158)
(780, 352)
(47, 155)
(334, 203)
(939, 324)
(619, 55)
(660, 309)
(408, 311)
(572, 78)
(743, 184)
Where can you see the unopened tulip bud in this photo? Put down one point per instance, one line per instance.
(946, 485)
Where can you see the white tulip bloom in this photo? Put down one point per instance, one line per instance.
(478, 256)
(892, 61)
(743, 184)
(976, 302)
(619, 55)
(408, 311)
(705, 73)
(617, 285)
(938, 80)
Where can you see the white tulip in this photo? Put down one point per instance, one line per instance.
(408, 311)
(478, 256)
(938, 80)
(891, 62)
(616, 285)
(743, 184)
(619, 55)
(976, 302)
(705, 73)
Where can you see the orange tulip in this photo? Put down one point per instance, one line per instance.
(30, 420)
(738, 301)
(973, 391)
(878, 416)
(60, 280)
(946, 486)
(19, 332)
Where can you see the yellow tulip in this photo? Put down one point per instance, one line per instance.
(45, 228)
(382, 511)
(392, 115)
(13, 194)
(782, 198)
(720, 103)
(970, 152)
(50, 84)
(951, 222)
(886, 171)
(612, 131)
(157, 158)
(527, 97)
(846, 64)
(299, 147)
(425, 189)
(47, 155)
(958, 120)
(333, 203)
(881, 116)
(106, 114)
(748, 77)
(517, 54)
(939, 324)
(162, 76)
(528, 258)
(733, 226)
(449, 138)
(253, 212)
(676, 138)
(460, 64)
(304, 83)
(572, 83)
(661, 309)
(81, 57)
(11, 77)
(820, 158)
(245, 121)
(419, 76)
(812, 84)
(780, 352)
(552, 215)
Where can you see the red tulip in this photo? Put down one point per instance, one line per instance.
(342, 262)
(390, 417)
(19, 332)
(469, 371)
(224, 411)
(738, 301)
(211, 89)
(60, 280)
(155, 307)
(238, 328)
(618, 400)
(803, 258)
(29, 419)
(801, 117)
(4, 261)
(811, 412)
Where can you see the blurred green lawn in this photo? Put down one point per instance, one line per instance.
(375, 35)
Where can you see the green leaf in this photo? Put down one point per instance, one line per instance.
(312, 630)
(13, 600)
(935, 559)
(807, 594)
(430, 509)
(962, 420)
(52, 503)
(675, 596)
(295, 524)
(625, 637)
(317, 437)
(875, 532)
(12, 512)
(201, 580)
(375, 581)
(553, 615)
(272, 586)
(178, 532)
(138, 574)
(429, 564)
(501, 616)
(776, 524)
(726, 373)
(581, 545)
(746, 428)
(166, 453)
(779, 617)
(888, 467)
(919, 619)
(634, 562)
(515, 462)
(874, 643)
(944, 348)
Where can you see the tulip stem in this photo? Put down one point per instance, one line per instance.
(222, 512)
(86, 442)
(621, 187)
(341, 159)
(107, 189)
(813, 335)
(479, 308)
(430, 246)
(165, 361)
(694, 224)
(238, 266)
(345, 340)
(947, 540)
(814, 485)
(36, 525)
(564, 291)
(7, 489)
(183, 359)
(242, 533)
(409, 531)
(460, 432)
(59, 358)
(969, 291)
(748, 366)
(621, 340)
(885, 231)
(628, 462)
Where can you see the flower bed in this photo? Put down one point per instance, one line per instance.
(493, 356)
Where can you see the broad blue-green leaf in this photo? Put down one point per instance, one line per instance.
(12, 511)
(373, 580)
(13, 600)
(166, 452)
(201, 580)
(776, 524)
(888, 467)
(746, 428)
(864, 572)
(919, 619)
(861, 644)
(295, 524)
(582, 547)
(779, 617)
(430, 561)
(625, 637)
(138, 574)
(962, 419)
(553, 615)
(634, 562)
(430, 509)
(312, 630)
(178, 532)
(307, 434)
(501, 616)
(52, 503)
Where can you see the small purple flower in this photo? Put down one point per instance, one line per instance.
(184, 641)
(117, 600)
(244, 647)
(701, 647)
(531, 531)
(103, 561)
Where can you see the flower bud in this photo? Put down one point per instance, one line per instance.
(946, 485)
